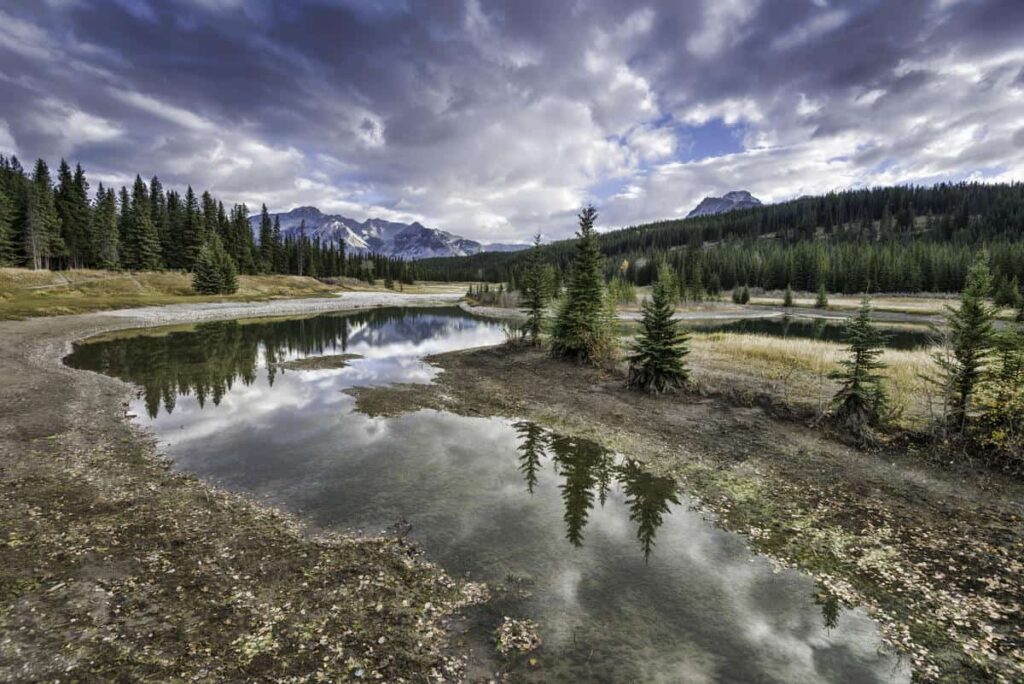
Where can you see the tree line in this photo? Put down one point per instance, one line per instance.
(896, 239)
(978, 366)
(58, 224)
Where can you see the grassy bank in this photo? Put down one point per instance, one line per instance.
(25, 293)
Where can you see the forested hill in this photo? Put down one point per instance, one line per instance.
(895, 239)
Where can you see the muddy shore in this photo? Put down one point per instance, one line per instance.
(935, 554)
(114, 568)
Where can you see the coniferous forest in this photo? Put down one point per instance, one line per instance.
(895, 239)
(60, 222)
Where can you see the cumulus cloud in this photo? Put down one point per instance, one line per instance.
(496, 120)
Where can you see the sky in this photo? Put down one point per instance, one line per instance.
(497, 120)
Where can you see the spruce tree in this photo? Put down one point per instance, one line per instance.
(535, 292)
(72, 202)
(1007, 293)
(745, 295)
(141, 244)
(214, 271)
(103, 230)
(860, 401)
(42, 224)
(193, 237)
(1000, 426)
(971, 339)
(657, 363)
(266, 241)
(822, 300)
(787, 297)
(206, 278)
(582, 330)
(7, 250)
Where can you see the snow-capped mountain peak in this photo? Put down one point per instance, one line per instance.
(391, 238)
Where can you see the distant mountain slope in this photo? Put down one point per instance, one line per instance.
(730, 201)
(403, 240)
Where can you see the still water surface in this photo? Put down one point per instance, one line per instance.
(626, 583)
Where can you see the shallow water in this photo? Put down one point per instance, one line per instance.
(625, 582)
(906, 337)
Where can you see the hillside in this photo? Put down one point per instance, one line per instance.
(894, 239)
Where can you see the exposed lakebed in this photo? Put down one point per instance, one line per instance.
(624, 581)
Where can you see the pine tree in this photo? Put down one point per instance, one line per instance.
(141, 246)
(657, 363)
(971, 340)
(7, 250)
(822, 300)
(72, 202)
(1000, 425)
(193, 236)
(214, 271)
(266, 241)
(745, 295)
(42, 224)
(583, 330)
(103, 230)
(226, 267)
(1007, 293)
(206, 278)
(535, 293)
(787, 297)
(860, 401)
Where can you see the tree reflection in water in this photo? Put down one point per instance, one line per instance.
(588, 471)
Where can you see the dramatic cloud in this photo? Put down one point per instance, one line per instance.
(495, 120)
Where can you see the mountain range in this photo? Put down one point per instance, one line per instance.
(730, 201)
(403, 240)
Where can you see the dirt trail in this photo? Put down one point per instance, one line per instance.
(114, 568)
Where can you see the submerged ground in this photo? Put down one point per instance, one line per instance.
(109, 560)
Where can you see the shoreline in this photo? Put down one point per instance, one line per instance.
(935, 555)
(114, 566)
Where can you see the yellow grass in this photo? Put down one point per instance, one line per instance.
(798, 369)
(25, 293)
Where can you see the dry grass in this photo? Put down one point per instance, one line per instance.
(920, 305)
(25, 293)
(797, 369)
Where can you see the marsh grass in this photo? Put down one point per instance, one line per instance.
(797, 369)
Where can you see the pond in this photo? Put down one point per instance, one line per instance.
(624, 580)
(904, 337)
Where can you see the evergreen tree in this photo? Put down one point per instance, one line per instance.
(160, 218)
(860, 401)
(822, 300)
(971, 339)
(214, 271)
(583, 330)
(141, 246)
(535, 293)
(1007, 293)
(103, 230)
(745, 295)
(42, 224)
(787, 297)
(1001, 422)
(72, 202)
(7, 249)
(193, 235)
(266, 241)
(657, 363)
